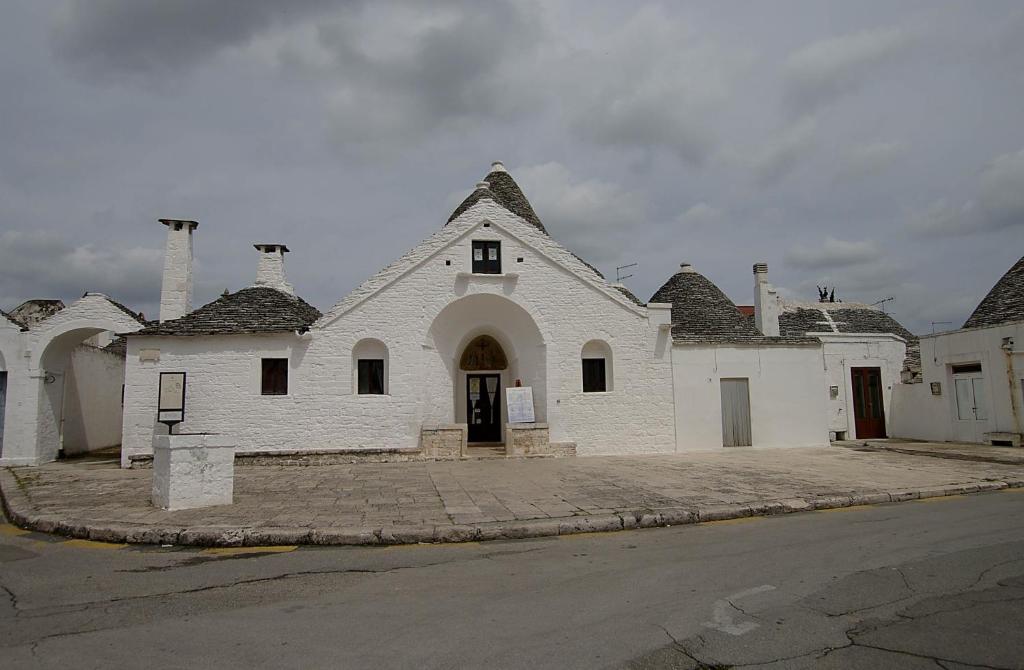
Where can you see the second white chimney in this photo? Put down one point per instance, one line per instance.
(176, 285)
(270, 271)
(766, 302)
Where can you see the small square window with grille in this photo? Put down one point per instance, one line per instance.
(274, 379)
(486, 258)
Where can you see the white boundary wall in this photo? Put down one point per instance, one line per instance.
(787, 408)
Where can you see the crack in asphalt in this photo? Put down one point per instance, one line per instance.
(13, 598)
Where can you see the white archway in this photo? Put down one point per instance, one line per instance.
(460, 323)
(50, 342)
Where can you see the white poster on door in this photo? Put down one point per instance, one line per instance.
(520, 404)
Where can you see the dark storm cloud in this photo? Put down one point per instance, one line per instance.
(870, 144)
(110, 37)
(998, 203)
(44, 265)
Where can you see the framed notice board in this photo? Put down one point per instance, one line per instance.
(171, 399)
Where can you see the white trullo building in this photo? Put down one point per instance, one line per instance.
(418, 360)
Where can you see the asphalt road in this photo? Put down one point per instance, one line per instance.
(927, 584)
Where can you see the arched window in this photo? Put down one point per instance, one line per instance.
(370, 367)
(597, 367)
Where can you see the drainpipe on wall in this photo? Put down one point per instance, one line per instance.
(1011, 379)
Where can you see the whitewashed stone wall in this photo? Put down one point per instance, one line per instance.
(787, 408)
(543, 310)
(92, 400)
(919, 414)
(842, 352)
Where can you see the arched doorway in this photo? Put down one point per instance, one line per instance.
(483, 363)
(482, 336)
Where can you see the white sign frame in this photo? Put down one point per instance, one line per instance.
(519, 403)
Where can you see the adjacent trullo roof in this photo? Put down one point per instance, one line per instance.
(849, 318)
(1004, 303)
(701, 312)
(257, 309)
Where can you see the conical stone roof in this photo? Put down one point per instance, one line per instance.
(701, 312)
(504, 190)
(1004, 303)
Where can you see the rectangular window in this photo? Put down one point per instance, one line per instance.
(593, 375)
(274, 380)
(966, 368)
(371, 376)
(487, 258)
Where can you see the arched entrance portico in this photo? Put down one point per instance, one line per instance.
(513, 348)
(37, 391)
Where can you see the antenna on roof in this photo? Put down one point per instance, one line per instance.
(618, 272)
(882, 302)
(939, 323)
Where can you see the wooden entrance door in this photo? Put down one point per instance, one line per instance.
(483, 407)
(868, 408)
(736, 413)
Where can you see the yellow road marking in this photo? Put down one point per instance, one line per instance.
(940, 498)
(236, 551)
(92, 544)
(11, 529)
(851, 508)
(742, 519)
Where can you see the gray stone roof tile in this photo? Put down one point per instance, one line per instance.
(1004, 303)
(250, 310)
(702, 313)
(851, 320)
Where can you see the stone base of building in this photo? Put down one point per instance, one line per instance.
(445, 442)
(1003, 438)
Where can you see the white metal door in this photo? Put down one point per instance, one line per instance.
(736, 413)
(970, 420)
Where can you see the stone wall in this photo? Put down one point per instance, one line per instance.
(527, 439)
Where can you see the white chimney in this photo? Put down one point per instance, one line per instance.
(766, 302)
(270, 272)
(176, 288)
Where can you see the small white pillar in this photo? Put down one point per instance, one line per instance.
(193, 470)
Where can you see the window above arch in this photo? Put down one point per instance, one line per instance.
(596, 367)
(370, 367)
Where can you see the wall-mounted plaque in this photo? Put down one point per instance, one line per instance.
(171, 399)
(936, 388)
(520, 404)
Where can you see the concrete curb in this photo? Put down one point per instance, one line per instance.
(19, 510)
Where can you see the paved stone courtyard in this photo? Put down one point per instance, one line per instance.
(420, 498)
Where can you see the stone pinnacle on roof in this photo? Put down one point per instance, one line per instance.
(504, 190)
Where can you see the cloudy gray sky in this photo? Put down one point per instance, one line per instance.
(875, 146)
